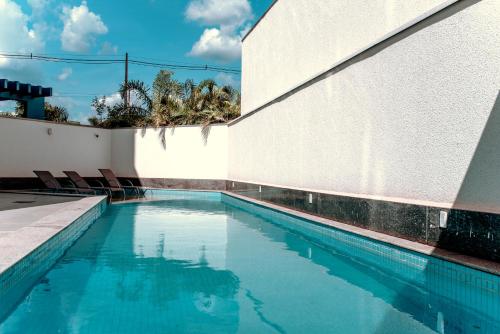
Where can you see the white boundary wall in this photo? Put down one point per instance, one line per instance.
(25, 145)
(416, 119)
(186, 153)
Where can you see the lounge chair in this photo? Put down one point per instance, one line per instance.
(82, 184)
(52, 184)
(115, 183)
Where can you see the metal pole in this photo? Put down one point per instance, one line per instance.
(126, 80)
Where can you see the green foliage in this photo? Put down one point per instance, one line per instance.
(56, 113)
(52, 112)
(168, 103)
(20, 110)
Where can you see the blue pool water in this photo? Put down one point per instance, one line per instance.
(208, 263)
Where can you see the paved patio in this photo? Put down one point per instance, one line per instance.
(24, 229)
(18, 210)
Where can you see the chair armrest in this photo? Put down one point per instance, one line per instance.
(100, 184)
(130, 184)
(69, 184)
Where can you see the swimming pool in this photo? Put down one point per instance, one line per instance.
(202, 262)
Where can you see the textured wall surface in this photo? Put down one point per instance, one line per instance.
(300, 38)
(417, 117)
(187, 152)
(25, 145)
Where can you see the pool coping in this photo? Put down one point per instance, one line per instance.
(17, 245)
(443, 254)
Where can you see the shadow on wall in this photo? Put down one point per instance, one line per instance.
(482, 177)
(471, 231)
(126, 150)
(461, 300)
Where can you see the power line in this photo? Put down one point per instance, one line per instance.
(64, 54)
(117, 58)
(60, 59)
(78, 59)
(110, 61)
(185, 67)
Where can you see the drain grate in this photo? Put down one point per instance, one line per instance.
(23, 202)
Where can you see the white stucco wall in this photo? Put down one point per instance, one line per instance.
(187, 152)
(417, 119)
(300, 38)
(25, 145)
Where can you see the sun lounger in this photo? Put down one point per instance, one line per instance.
(52, 184)
(113, 181)
(82, 184)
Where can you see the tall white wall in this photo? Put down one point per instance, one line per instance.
(187, 152)
(300, 38)
(25, 145)
(416, 119)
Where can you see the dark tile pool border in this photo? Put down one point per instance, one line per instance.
(44, 243)
(195, 184)
(16, 183)
(468, 232)
(399, 258)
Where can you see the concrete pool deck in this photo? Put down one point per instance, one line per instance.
(29, 220)
(18, 210)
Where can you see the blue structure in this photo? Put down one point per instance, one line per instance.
(32, 97)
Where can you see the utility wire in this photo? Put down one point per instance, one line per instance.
(109, 61)
(138, 58)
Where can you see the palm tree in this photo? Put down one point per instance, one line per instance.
(134, 108)
(170, 103)
(53, 112)
(166, 99)
(220, 104)
(56, 113)
(136, 104)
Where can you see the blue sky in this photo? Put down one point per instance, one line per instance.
(167, 31)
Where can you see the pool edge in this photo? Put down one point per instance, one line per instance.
(32, 250)
(484, 265)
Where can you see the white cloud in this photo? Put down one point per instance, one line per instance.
(77, 108)
(80, 28)
(113, 99)
(65, 73)
(108, 49)
(38, 7)
(18, 35)
(222, 43)
(215, 44)
(15, 33)
(43, 24)
(7, 106)
(64, 101)
(228, 80)
(231, 13)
